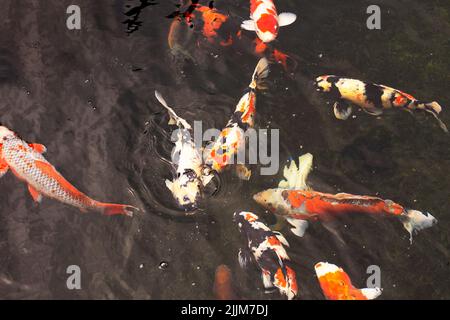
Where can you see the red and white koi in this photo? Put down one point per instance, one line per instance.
(265, 20)
(372, 98)
(336, 284)
(25, 160)
(295, 201)
(231, 139)
(189, 179)
(265, 247)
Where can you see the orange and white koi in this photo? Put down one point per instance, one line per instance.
(336, 284)
(231, 139)
(295, 201)
(265, 247)
(25, 160)
(372, 98)
(189, 179)
(265, 20)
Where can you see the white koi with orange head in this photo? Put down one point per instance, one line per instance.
(265, 21)
(336, 284)
(27, 163)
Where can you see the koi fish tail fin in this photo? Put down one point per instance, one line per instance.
(414, 220)
(295, 177)
(260, 74)
(110, 209)
(435, 109)
(371, 293)
(174, 118)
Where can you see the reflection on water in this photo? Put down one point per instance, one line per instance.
(117, 150)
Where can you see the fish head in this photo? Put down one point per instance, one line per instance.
(324, 83)
(270, 199)
(244, 217)
(5, 132)
(267, 27)
(186, 189)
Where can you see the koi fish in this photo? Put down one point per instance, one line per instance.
(265, 247)
(336, 284)
(223, 286)
(219, 154)
(295, 201)
(187, 161)
(372, 98)
(265, 20)
(28, 164)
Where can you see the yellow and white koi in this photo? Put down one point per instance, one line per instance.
(372, 98)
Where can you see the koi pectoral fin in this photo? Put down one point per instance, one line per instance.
(267, 281)
(286, 18)
(342, 110)
(244, 257)
(248, 25)
(3, 170)
(300, 226)
(40, 148)
(37, 197)
(373, 112)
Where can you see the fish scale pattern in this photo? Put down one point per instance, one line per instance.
(22, 159)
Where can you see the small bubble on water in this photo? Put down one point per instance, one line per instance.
(163, 265)
(194, 284)
(141, 266)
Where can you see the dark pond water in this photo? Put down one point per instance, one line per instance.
(88, 96)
